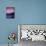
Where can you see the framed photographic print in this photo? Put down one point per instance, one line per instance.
(10, 12)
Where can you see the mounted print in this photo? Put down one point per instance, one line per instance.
(10, 12)
(32, 32)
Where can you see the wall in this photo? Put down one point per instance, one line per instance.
(6, 25)
(31, 11)
(27, 12)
